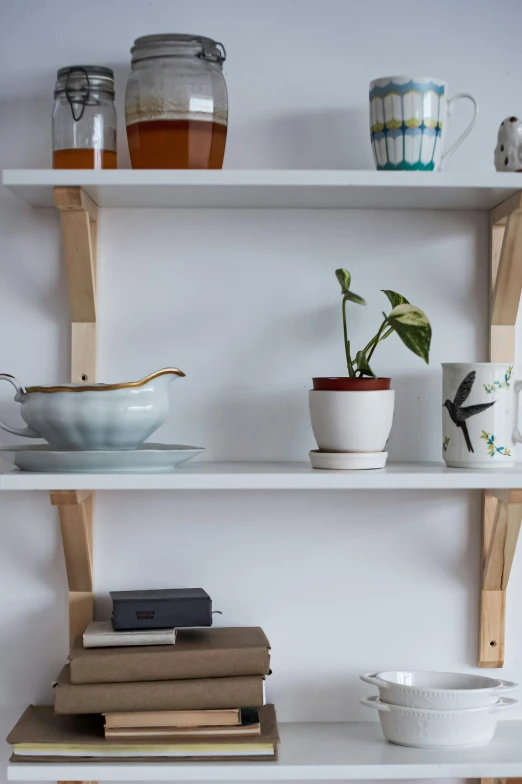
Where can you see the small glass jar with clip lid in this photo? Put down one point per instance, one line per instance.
(84, 118)
(176, 105)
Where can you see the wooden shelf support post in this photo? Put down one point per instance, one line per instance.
(502, 511)
(501, 528)
(75, 509)
(79, 215)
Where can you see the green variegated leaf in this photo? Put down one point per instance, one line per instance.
(395, 299)
(413, 328)
(363, 367)
(344, 278)
(354, 298)
(409, 314)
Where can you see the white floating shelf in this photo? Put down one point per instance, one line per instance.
(311, 752)
(275, 476)
(266, 188)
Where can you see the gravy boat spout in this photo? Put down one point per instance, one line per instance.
(164, 376)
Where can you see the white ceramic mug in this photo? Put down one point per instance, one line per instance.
(408, 121)
(479, 414)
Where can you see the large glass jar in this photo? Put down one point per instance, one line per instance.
(176, 105)
(84, 118)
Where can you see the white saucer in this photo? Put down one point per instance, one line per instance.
(343, 461)
(147, 458)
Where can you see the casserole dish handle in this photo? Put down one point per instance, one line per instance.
(503, 704)
(371, 677)
(28, 432)
(372, 702)
(504, 687)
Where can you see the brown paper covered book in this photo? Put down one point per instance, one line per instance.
(164, 724)
(198, 653)
(205, 718)
(196, 694)
(42, 736)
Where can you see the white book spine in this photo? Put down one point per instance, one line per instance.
(100, 634)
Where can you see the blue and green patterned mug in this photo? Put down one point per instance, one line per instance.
(408, 117)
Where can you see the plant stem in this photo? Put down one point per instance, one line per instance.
(349, 364)
(377, 339)
(380, 337)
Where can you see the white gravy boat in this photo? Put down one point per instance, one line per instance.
(94, 416)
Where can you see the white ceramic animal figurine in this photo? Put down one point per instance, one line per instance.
(508, 152)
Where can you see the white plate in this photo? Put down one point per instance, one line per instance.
(347, 461)
(147, 458)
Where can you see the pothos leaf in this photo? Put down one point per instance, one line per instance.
(410, 315)
(363, 367)
(350, 295)
(344, 278)
(413, 328)
(395, 298)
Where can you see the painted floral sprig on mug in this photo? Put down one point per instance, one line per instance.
(492, 447)
(408, 321)
(496, 386)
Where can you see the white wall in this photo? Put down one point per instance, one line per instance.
(247, 304)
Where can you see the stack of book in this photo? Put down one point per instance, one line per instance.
(207, 669)
(201, 698)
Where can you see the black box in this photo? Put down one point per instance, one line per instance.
(168, 609)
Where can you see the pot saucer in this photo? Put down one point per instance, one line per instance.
(145, 459)
(347, 461)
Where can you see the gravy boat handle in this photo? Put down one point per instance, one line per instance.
(27, 432)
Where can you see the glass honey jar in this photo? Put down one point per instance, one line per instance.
(176, 104)
(84, 118)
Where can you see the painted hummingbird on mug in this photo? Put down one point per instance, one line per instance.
(460, 413)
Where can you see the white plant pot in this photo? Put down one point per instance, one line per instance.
(351, 421)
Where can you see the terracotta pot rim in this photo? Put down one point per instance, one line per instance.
(349, 384)
(368, 378)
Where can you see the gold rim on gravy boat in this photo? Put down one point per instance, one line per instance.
(108, 387)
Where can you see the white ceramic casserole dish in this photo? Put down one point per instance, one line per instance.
(426, 729)
(437, 690)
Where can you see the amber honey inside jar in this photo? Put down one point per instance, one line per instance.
(84, 159)
(176, 105)
(84, 118)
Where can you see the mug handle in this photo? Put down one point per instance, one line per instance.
(517, 435)
(28, 432)
(451, 103)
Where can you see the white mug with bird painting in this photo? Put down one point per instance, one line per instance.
(479, 414)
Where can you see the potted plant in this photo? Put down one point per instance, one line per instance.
(352, 415)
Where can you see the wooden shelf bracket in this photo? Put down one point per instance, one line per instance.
(500, 535)
(75, 510)
(502, 510)
(79, 215)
